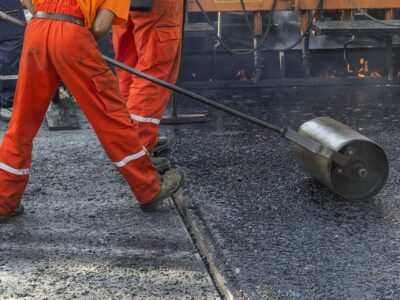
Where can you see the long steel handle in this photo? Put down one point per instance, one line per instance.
(192, 95)
(8, 18)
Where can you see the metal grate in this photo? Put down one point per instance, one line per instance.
(356, 27)
(198, 30)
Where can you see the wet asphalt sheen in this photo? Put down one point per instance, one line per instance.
(278, 233)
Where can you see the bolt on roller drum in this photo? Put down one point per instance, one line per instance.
(368, 167)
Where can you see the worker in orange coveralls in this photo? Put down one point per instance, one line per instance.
(151, 42)
(60, 46)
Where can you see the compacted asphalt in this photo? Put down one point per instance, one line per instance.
(271, 231)
(264, 228)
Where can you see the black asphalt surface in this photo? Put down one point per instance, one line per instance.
(279, 234)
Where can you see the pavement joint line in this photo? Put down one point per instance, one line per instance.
(198, 254)
(227, 289)
(290, 82)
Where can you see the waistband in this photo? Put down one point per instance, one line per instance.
(58, 17)
(63, 7)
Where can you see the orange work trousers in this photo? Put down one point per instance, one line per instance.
(150, 42)
(57, 51)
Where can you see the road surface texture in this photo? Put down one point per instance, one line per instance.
(83, 235)
(271, 231)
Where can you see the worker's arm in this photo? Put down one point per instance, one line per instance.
(102, 23)
(28, 4)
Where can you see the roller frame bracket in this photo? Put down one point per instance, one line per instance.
(339, 159)
(314, 147)
(301, 140)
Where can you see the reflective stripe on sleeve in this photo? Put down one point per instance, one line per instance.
(145, 120)
(8, 77)
(13, 171)
(129, 158)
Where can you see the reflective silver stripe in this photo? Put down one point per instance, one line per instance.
(129, 158)
(145, 120)
(13, 171)
(8, 77)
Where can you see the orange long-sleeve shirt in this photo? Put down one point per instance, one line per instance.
(120, 8)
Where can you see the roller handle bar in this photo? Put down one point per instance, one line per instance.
(192, 95)
(8, 18)
(286, 132)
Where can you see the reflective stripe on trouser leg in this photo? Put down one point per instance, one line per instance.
(130, 158)
(11, 170)
(8, 77)
(145, 120)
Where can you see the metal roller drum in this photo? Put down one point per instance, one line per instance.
(367, 169)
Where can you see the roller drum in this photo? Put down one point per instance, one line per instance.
(368, 162)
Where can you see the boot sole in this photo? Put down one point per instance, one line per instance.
(168, 195)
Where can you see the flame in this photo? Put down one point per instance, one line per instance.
(363, 70)
(375, 74)
(241, 74)
(349, 68)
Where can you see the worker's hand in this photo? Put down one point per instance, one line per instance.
(102, 23)
(28, 4)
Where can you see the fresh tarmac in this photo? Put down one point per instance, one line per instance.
(276, 233)
(268, 230)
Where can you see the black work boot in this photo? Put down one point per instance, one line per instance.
(162, 145)
(170, 183)
(161, 163)
(17, 212)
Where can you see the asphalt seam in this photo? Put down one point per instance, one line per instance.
(204, 245)
(290, 82)
(198, 254)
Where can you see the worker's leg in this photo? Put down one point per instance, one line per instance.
(36, 86)
(81, 68)
(158, 38)
(125, 52)
(11, 40)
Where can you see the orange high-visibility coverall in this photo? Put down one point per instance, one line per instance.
(57, 51)
(150, 42)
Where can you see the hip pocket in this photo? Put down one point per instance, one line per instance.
(106, 85)
(168, 43)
